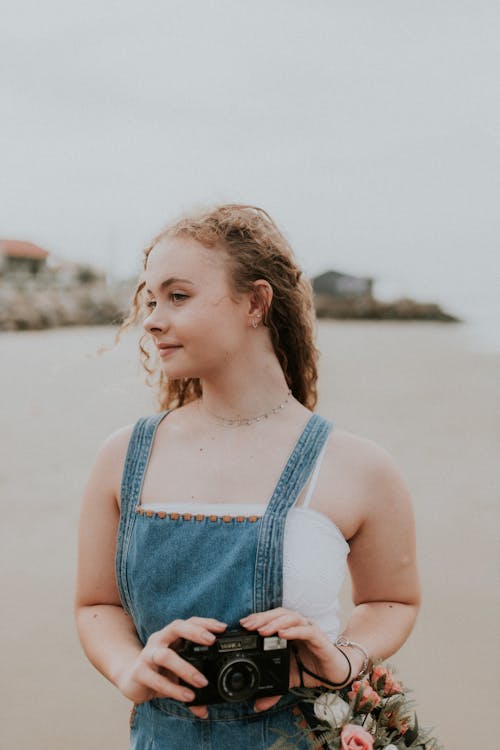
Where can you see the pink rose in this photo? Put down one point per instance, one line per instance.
(383, 681)
(354, 737)
(367, 697)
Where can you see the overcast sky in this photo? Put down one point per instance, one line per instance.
(369, 130)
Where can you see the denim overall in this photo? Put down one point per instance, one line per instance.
(174, 566)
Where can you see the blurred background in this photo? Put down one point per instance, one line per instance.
(371, 134)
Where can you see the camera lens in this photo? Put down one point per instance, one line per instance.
(238, 680)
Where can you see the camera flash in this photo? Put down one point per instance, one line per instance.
(273, 643)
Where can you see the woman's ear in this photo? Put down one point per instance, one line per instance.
(260, 299)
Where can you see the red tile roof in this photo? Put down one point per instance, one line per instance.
(20, 249)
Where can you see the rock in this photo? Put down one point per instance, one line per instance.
(369, 308)
(35, 306)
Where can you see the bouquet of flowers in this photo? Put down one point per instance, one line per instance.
(372, 713)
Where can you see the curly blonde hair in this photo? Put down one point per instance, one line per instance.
(256, 249)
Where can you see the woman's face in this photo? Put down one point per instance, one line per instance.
(195, 320)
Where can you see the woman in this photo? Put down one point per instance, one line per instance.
(231, 508)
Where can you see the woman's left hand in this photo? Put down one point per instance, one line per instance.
(316, 651)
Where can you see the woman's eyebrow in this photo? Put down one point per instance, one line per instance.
(170, 281)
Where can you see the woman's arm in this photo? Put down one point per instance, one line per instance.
(100, 618)
(382, 563)
(106, 631)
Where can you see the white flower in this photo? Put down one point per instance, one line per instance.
(331, 708)
(390, 747)
(369, 725)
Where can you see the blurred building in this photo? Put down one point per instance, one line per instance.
(342, 285)
(25, 263)
(18, 258)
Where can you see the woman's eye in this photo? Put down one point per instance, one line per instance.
(178, 296)
(175, 297)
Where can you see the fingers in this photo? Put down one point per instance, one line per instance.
(161, 668)
(287, 624)
(272, 620)
(197, 629)
(283, 622)
(264, 704)
(201, 712)
(258, 619)
(209, 622)
(311, 633)
(164, 687)
(292, 626)
(170, 660)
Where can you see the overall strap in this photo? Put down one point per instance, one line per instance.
(136, 462)
(314, 478)
(268, 586)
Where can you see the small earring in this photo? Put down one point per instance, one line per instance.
(255, 323)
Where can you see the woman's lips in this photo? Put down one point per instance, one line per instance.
(167, 349)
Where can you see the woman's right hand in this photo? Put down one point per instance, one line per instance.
(158, 668)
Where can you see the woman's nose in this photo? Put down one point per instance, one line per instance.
(154, 322)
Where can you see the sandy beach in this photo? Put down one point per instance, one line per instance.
(416, 389)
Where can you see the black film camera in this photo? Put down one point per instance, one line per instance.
(239, 666)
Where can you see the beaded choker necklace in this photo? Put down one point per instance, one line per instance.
(246, 421)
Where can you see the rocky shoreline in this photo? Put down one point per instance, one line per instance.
(32, 306)
(370, 308)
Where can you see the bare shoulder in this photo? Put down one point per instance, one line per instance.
(113, 450)
(116, 443)
(367, 458)
(99, 522)
(110, 460)
(356, 448)
(359, 479)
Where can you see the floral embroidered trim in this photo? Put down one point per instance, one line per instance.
(193, 517)
(133, 713)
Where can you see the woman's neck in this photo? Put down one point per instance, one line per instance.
(245, 393)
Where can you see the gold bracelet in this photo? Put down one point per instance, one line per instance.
(343, 641)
